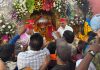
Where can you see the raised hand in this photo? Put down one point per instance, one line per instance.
(21, 29)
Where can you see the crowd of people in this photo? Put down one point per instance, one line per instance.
(63, 53)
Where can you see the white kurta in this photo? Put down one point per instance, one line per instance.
(61, 30)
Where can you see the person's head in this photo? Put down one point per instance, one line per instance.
(63, 50)
(51, 47)
(69, 36)
(6, 52)
(63, 22)
(36, 42)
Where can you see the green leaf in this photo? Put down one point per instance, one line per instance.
(30, 5)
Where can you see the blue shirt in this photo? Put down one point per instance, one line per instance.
(14, 39)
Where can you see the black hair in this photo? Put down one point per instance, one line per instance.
(91, 35)
(6, 52)
(69, 36)
(36, 42)
(51, 47)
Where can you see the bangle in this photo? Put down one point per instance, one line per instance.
(92, 53)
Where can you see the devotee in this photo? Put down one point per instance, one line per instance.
(52, 47)
(91, 66)
(7, 51)
(63, 53)
(25, 38)
(94, 48)
(63, 27)
(37, 57)
(68, 36)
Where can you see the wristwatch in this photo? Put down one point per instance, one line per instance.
(93, 53)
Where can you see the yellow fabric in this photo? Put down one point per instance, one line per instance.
(87, 28)
(83, 37)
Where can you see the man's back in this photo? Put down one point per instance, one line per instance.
(33, 59)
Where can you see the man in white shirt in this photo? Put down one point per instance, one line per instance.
(35, 57)
(63, 27)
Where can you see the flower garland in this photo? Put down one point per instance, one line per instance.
(20, 10)
(6, 27)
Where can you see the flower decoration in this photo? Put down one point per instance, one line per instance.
(47, 5)
(57, 5)
(84, 6)
(20, 9)
(77, 20)
(7, 27)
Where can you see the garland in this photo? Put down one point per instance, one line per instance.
(6, 27)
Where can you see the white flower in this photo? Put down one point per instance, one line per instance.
(59, 10)
(0, 29)
(11, 30)
(0, 21)
(54, 4)
(3, 26)
(0, 15)
(9, 27)
(7, 32)
(7, 23)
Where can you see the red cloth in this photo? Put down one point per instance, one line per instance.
(29, 26)
(63, 20)
(30, 21)
(53, 56)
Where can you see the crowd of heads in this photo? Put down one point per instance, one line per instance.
(62, 48)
